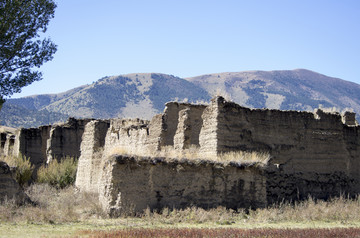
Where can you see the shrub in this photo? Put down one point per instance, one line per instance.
(58, 174)
(24, 168)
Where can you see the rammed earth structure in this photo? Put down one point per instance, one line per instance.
(312, 154)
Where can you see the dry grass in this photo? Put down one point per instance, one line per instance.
(24, 168)
(345, 211)
(52, 206)
(225, 233)
(69, 205)
(245, 157)
(70, 210)
(337, 209)
(192, 153)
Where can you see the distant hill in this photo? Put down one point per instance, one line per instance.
(15, 116)
(133, 95)
(144, 95)
(298, 89)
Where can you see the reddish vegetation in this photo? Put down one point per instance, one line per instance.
(226, 233)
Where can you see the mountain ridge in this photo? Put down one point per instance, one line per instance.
(144, 94)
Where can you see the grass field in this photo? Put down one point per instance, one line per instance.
(69, 213)
(139, 227)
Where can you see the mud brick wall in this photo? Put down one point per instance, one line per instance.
(127, 136)
(32, 143)
(90, 161)
(188, 128)
(130, 184)
(311, 148)
(64, 140)
(9, 188)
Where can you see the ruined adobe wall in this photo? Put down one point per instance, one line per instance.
(127, 136)
(281, 185)
(7, 140)
(208, 138)
(65, 139)
(181, 124)
(130, 184)
(179, 127)
(188, 128)
(32, 143)
(9, 188)
(3, 136)
(102, 138)
(316, 152)
(90, 161)
(40, 144)
(9, 145)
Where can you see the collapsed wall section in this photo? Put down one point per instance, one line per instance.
(188, 127)
(170, 120)
(127, 136)
(181, 125)
(131, 184)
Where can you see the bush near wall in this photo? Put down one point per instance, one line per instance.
(58, 174)
(23, 166)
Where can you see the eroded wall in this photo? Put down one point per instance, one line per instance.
(9, 188)
(65, 139)
(32, 143)
(90, 161)
(314, 154)
(312, 150)
(132, 184)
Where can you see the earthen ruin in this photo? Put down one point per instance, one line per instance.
(312, 154)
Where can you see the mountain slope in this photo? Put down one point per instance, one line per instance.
(143, 95)
(133, 95)
(38, 102)
(286, 89)
(13, 115)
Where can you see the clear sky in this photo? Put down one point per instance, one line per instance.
(193, 37)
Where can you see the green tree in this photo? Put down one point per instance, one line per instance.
(21, 48)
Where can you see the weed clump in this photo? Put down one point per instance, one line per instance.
(58, 174)
(23, 168)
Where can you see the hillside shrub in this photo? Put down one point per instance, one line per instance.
(58, 174)
(24, 168)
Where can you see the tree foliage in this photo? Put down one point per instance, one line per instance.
(21, 48)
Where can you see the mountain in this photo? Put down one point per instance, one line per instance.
(132, 95)
(144, 95)
(298, 89)
(14, 116)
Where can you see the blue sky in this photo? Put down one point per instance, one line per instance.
(193, 37)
